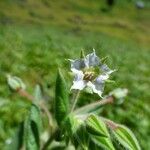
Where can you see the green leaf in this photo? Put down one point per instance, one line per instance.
(126, 138)
(98, 132)
(72, 124)
(96, 126)
(17, 139)
(76, 131)
(32, 129)
(61, 99)
(103, 142)
(38, 93)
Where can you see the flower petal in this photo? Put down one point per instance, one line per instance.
(78, 75)
(94, 88)
(106, 69)
(77, 64)
(79, 85)
(78, 82)
(98, 85)
(101, 78)
(92, 60)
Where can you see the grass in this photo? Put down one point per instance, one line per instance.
(33, 43)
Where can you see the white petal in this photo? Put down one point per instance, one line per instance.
(78, 75)
(77, 64)
(78, 82)
(106, 69)
(80, 85)
(92, 60)
(98, 85)
(95, 88)
(102, 78)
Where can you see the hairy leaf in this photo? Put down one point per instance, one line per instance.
(72, 124)
(98, 132)
(103, 142)
(32, 129)
(126, 138)
(96, 126)
(61, 99)
(76, 130)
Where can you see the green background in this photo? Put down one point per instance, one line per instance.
(37, 36)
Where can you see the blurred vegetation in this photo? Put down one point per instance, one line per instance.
(37, 36)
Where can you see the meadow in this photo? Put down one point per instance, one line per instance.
(37, 37)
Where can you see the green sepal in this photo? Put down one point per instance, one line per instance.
(82, 54)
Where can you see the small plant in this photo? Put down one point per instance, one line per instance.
(71, 128)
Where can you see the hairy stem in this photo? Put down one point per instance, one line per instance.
(25, 94)
(75, 99)
(99, 103)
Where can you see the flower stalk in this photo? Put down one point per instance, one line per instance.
(95, 105)
(75, 99)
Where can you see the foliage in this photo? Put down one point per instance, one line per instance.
(61, 101)
(69, 128)
(34, 56)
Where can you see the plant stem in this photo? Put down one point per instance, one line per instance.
(107, 100)
(75, 99)
(29, 97)
(25, 94)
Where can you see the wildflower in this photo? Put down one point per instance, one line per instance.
(90, 72)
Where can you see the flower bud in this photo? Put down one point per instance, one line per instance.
(119, 94)
(15, 83)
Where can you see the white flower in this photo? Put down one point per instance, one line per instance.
(90, 72)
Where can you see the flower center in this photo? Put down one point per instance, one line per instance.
(90, 73)
(89, 76)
